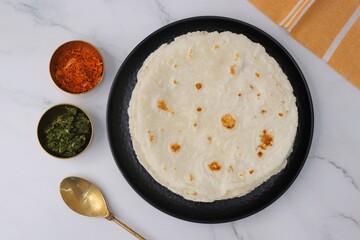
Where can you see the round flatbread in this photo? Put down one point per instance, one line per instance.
(212, 116)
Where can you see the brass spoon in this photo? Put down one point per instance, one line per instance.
(86, 199)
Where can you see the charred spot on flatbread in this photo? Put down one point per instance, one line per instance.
(214, 166)
(266, 140)
(151, 136)
(232, 69)
(161, 104)
(198, 86)
(228, 121)
(175, 147)
(191, 177)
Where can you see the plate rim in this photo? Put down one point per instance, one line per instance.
(303, 82)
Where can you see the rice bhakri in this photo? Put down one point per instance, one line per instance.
(212, 116)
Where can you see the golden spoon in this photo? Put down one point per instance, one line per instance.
(86, 199)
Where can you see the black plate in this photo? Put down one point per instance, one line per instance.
(159, 196)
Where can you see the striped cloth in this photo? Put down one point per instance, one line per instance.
(329, 28)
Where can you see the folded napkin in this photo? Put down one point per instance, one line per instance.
(329, 28)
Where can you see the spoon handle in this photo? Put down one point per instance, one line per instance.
(123, 225)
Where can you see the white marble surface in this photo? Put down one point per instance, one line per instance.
(323, 203)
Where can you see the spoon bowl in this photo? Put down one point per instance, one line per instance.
(86, 199)
(83, 197)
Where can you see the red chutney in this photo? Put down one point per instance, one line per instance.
(78, 70)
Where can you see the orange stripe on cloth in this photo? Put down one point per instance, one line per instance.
(319, 26)
(276, 10)
(346, 58)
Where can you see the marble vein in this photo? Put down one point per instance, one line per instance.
(24, 7)
(23, 98)
(38, 18)
(36, 13)
(344, 172)
(350, 218)
(164, 15)
(7, 52)
(238, 237)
